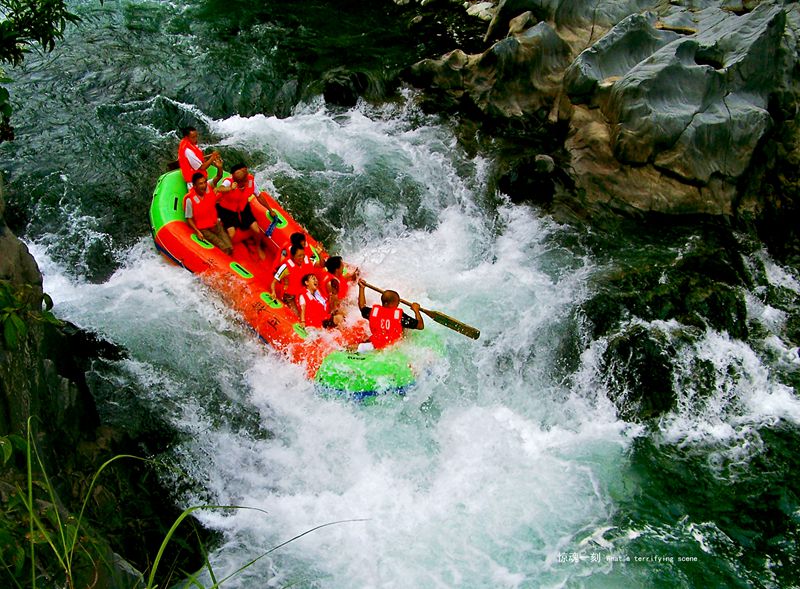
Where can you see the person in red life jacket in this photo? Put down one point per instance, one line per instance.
(290, 274)
(199, 207)
(236, 193)
(314, 307)
(298, 239)
(334, 284)
(387, 320)
(191, 159)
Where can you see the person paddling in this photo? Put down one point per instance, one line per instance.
(314, 308)
(199, 208)
(387, 320)
(190, 157)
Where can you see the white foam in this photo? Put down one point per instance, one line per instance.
(489, 468)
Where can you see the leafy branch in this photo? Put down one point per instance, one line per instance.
(18, 306)
(23, 25)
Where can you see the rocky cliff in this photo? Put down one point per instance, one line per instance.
(659, 106)
(43, 382)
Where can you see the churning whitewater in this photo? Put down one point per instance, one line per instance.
(507, 465)
(483, 475)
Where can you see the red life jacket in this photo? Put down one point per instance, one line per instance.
(186, 168)
(296, 273)
(385, 325)
(282, 255)
(316, 312)
(236, 198)
(204, 210)
(326, 278)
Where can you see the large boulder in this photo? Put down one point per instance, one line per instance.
(638, 374)
(666, 102)
(16, 263)
(516, 77)
(693, 110)
(43, 386)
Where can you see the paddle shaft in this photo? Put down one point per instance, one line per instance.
(381, 290)
(440, 318)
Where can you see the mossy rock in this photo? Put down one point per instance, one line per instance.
(638, 372)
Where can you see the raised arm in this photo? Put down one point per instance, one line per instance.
(362, 297)
(420, 321)
(215, 180)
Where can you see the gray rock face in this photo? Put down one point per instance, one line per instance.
(697, 106)
(666, 101)
(518, 75)
(694, 109)
(614, 55)
(598, 13)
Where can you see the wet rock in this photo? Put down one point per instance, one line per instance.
(529, 178)
(616, 53)
(638, 373)
(519, 23)
(43, 377)
(598, 13)
(482, 10)
(343, 87)
(604, 182)
(519, 76)
(668, 104)
(693, 111)
(506, 11)
(700, 287)
(16, 263)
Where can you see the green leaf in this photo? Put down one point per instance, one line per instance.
(48, 317)
(48, 301)
(18, 442)
(19, 324)
(19, 561)
(10, 333)
(6, 448)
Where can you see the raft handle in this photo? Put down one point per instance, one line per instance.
(241, 270)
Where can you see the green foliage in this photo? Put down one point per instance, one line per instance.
(29, 22)
(18, 305)
(23, 25)
(53, 547)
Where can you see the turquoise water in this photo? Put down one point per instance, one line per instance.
(507, 465)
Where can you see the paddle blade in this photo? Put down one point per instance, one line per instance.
(453, 324)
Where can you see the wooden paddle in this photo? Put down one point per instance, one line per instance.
(440, 318)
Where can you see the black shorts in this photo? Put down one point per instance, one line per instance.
(241, 220)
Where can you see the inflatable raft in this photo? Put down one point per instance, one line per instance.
(244, 282)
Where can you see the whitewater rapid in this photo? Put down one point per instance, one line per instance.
(496, 465)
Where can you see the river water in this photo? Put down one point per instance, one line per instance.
(506, 466)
